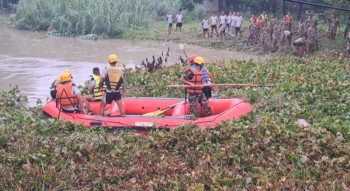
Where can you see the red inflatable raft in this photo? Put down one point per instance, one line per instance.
(222, 109)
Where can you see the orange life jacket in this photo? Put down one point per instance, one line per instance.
(197, 80)
(259, 22)
(288, 18)
(65, 97)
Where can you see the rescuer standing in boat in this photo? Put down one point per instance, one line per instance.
(114, 79)
(193, 77)
(207, 78)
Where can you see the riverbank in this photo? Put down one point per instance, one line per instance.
(265, 150)
(192, 34)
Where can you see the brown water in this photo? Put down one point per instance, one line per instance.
(33, 60)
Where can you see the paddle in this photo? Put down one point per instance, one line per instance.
(236, 85)
(159, 112)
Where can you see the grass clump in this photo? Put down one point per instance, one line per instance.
(265, 150)
(81, 17)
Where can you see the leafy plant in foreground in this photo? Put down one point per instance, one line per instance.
(264, 150)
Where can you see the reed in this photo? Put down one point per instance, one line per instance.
(81, 17)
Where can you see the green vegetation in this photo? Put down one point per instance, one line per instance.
(80, 17)
(265, 150)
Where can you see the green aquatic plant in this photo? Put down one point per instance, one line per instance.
(265, 150)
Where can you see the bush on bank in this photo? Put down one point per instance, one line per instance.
(264, 150)
(81, 17)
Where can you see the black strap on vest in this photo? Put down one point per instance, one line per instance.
(117, 87)
(58, 100)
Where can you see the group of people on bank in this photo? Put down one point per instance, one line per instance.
(231, 23)
(269, 33)
(106, 86)
(109, 85)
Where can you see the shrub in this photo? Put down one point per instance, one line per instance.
(81, 17)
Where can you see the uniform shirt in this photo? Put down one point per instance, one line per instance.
(273, 21)
(205, 23)
(239, 21)
(222, 19)
(334, 22)
(311, 34)
(222, 28)
(233, 20)
(169, 18)
(179, 18)
(213, 19)
(229, 19)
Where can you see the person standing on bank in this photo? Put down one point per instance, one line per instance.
(334, 24)
(178, 21)
(239, 23)
(214, 20)
(114, 78)
(205, 26)
(169, 19)
(289, 20)
(193, 77)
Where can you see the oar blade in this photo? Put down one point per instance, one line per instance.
(154, 113)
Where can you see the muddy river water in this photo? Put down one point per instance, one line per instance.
(33, 60)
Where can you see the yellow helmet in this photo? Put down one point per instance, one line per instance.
(66, 77)
(68, 71)
(199, 60)
(113, 58)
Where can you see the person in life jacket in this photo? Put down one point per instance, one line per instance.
(193, 77)
(289, 19)
(207, 79)
(94, 92)
(53, 89)
(259, 24)
(264, 17)
(114, 78)
(68, 97)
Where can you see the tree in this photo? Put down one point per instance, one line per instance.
(6, 3)
(187, 4)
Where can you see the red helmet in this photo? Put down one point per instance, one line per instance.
(191, 58)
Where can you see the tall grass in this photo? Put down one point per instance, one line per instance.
(81, 17)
